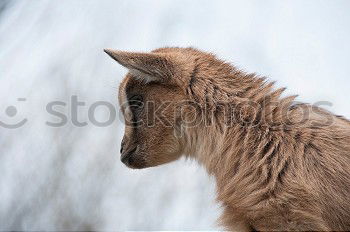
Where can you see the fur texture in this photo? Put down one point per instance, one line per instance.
(278, 165)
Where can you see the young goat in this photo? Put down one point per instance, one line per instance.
(278, 165)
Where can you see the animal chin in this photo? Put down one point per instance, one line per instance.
(136, 166)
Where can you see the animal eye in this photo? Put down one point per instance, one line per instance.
(136, 98)
(136, 102)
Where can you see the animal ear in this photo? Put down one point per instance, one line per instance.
(146, 66)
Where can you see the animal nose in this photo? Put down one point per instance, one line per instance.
(125, 157)
(121, 148)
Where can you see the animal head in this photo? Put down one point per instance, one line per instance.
(157, 96)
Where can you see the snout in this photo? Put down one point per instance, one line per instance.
(132, 158)
(125, 157)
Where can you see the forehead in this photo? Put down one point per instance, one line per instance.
(124, 89)
(153, 90)
(131, 85)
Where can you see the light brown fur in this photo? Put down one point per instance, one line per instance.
(276, 167)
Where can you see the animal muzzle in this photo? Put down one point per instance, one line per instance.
(133, 158)
(127, 154)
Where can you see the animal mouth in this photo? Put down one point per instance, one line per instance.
(126, 156)
(131, 159)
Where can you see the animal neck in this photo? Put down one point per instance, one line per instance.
(241, 110)
(214, 148)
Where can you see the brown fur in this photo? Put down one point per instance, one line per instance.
(276, 167)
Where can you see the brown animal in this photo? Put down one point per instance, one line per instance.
(278, 165)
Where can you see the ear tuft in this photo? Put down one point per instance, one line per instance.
(147, 66)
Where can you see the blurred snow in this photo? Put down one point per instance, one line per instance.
(70, 178)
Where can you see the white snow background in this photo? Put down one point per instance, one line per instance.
(71, 178)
